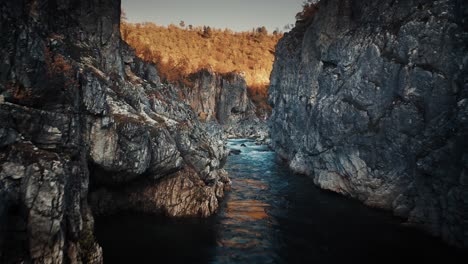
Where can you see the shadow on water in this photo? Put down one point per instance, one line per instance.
(140, 238)
(270, 216)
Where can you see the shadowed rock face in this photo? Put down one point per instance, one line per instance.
(371, 100)
(76, 106)
(223, 98)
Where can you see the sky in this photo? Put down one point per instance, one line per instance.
(238, 15)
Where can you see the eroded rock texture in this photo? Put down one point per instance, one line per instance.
(82, 121)
(223, 99)
(371, 99)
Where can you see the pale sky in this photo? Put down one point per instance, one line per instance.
(238, 15)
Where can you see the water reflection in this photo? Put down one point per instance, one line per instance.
(270, 216)
(246, 234)
(246, 210)
(242, 209)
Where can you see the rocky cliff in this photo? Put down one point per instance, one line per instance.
(223, 98)
(370, 99)
(87, 128)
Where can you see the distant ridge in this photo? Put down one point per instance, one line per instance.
(179, 51)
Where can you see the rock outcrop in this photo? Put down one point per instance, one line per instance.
(86, 127)
(370, 98)
(223, 99)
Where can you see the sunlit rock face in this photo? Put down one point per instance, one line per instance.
(223, 98)
(371, 100)
(219, 97)
(80, 117)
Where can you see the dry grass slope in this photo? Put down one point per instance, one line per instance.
(180, 51)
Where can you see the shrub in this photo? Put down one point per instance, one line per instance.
(179, 52)
(19, 93)
(59, 70)
(309, 9)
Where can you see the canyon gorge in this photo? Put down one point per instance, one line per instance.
(87, 128)
(368, 98)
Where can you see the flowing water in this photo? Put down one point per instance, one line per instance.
(270, 216)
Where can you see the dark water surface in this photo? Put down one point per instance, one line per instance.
(271, 216)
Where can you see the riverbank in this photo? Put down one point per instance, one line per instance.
(270, 216)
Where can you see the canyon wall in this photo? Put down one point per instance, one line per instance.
(223, 98)
(87, 128)
(370, 98)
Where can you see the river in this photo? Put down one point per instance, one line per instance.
(269, 216)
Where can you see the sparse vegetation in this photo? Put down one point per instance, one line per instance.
(60, 78)
(18, 93)
(259, 96)
(59, 70)
(181, 51)
(87, 244)
(309, 9)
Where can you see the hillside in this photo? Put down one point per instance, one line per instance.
(180, 51)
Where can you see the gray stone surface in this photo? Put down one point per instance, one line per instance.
(370, 99)
(223, 99)
(78, 109)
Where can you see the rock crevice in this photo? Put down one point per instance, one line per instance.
(223, 99)
(370, 99)
(82, 117)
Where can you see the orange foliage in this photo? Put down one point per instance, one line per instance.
(178, 52)
(19, 93)
(58, 68)
(259, 94)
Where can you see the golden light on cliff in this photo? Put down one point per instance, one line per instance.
(179, 51)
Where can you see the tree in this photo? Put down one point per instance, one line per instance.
(262, 30)
(182, 24)
(125, 27)
(309, 8)
(146, 54)
(206, 32)
(276, 32)
(179, 52)
(123, 15)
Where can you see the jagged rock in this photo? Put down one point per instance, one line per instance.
(370, 99)
(77, 106)
(235, 152)
(223, 98)
(220, 96)
(181, 194)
